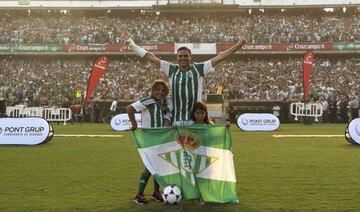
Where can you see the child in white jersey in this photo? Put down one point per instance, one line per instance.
(154, 113)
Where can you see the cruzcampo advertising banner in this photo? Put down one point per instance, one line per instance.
(196, 158)
(30, 48)
(346, 46)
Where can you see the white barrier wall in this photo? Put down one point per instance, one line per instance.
(300, 109)
(215, 110)
(50, 114)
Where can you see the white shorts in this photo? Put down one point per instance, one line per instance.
(182, 123)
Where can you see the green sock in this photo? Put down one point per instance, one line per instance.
(144, 177)
(156, 186)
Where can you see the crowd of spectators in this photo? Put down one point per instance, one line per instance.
(50, 81)
(276, 79)
(144, 28)
(54, 81)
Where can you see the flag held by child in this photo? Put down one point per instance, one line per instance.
(197, 158)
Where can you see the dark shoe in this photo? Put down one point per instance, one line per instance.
(157, 196)
(140, 199)
(199, 201)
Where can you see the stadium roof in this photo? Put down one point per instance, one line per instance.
(150, 3)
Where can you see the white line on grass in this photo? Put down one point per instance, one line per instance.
(308, 136)
(92, 136)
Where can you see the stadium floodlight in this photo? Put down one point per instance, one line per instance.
(344, 9)
(329, 10)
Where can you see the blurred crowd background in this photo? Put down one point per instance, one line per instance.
(264, 28)
(61, 80)
(55, 81)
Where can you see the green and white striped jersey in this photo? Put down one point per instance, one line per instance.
(186, 86)
(151, 113)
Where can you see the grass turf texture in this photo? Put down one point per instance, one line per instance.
(101, 174)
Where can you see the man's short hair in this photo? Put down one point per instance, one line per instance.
(184, 48)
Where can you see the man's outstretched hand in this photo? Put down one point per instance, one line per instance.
(242, 39)
(125, 37)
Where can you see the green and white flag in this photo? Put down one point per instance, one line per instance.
(196, 158)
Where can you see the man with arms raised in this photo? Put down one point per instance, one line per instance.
(185, 77)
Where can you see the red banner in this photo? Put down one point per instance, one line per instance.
(308, 61)
(97, 71)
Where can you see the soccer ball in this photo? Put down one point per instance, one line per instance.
(171, 194)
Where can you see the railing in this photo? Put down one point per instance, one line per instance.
(50, 114)
(306, 110)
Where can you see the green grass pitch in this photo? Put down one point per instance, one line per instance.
(101, 174)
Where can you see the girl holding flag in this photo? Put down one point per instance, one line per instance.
(200, 115)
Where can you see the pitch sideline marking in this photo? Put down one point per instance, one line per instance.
(308, 136)
(92, 136)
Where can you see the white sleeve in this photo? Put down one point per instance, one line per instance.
(113, 105)
(164, 67)
(207, 67)
(138, 106)
(170, 105)
(168, 116)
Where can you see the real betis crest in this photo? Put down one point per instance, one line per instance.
(186, 159)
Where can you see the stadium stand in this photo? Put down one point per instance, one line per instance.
(203, 28)
(45, 76)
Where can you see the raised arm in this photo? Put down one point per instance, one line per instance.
(142, 52)
(228, 52)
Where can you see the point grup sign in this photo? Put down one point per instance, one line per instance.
(25, 131)
(258, 122)
(352, 132)
(122, 122)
